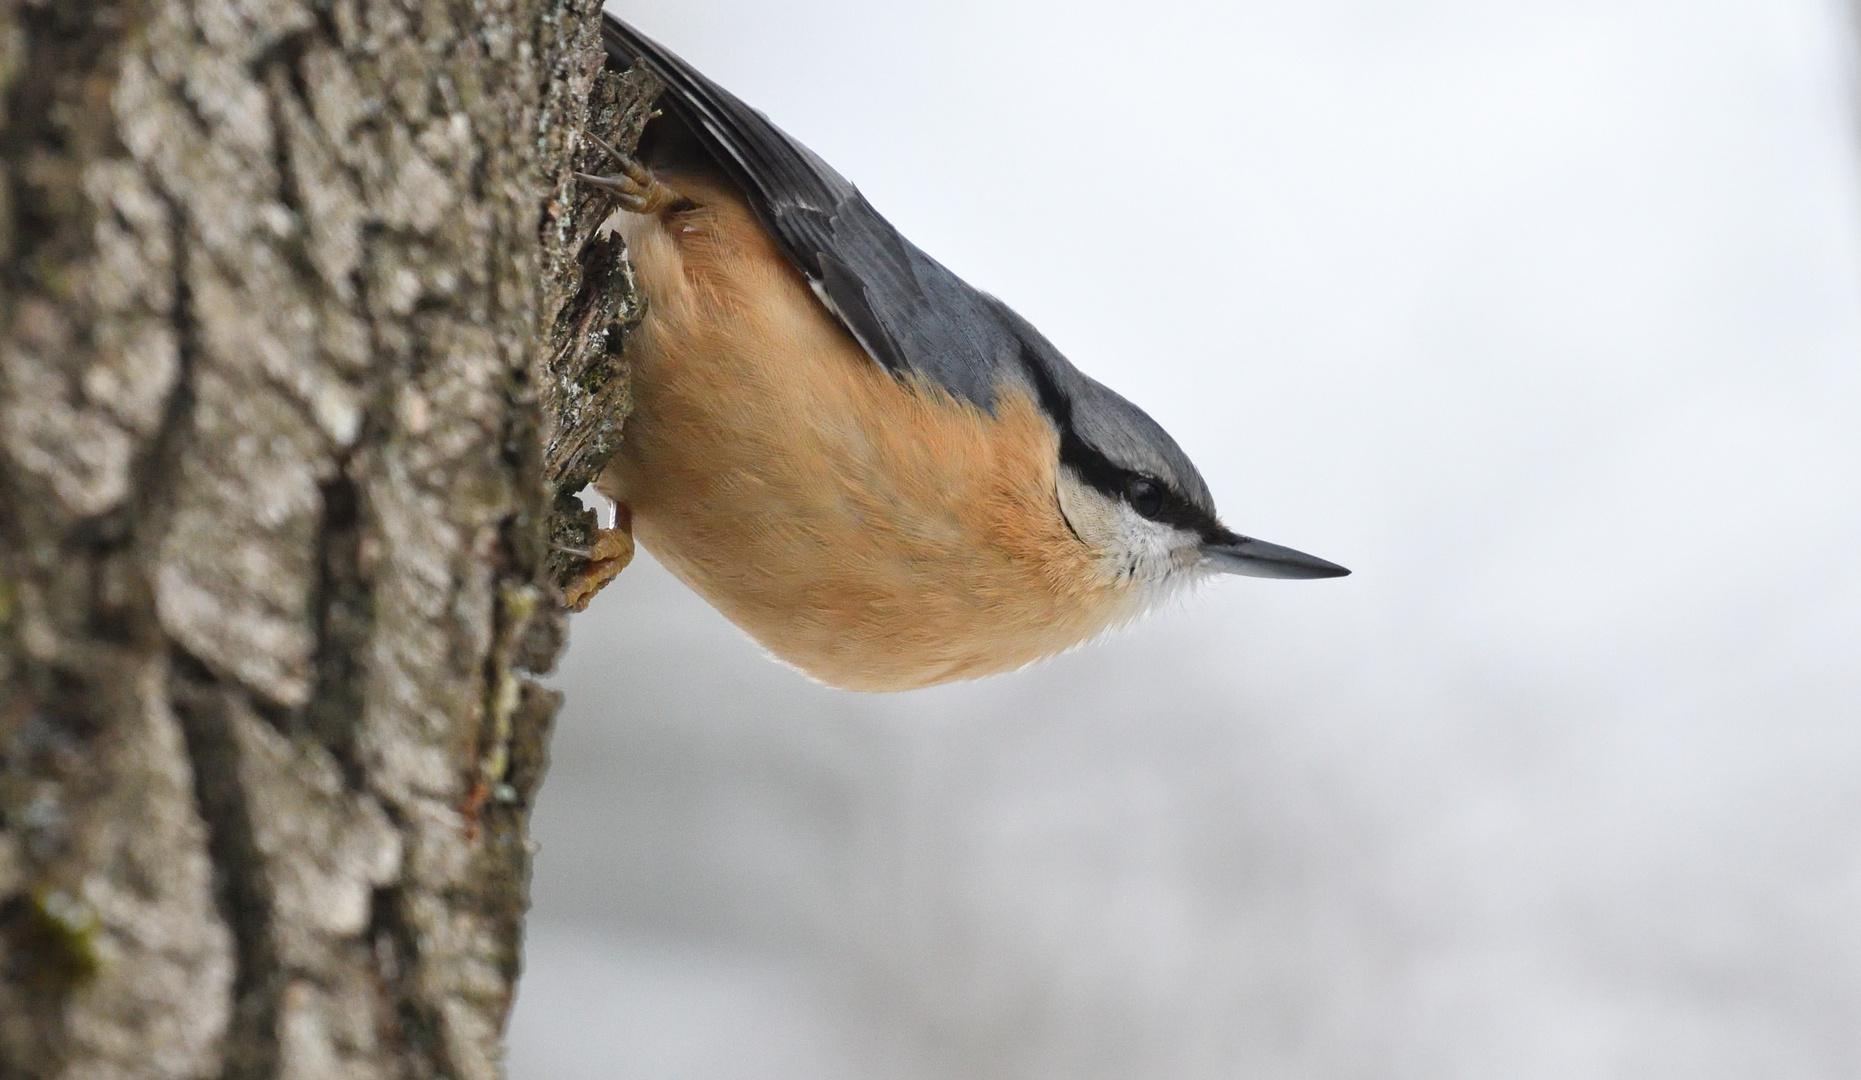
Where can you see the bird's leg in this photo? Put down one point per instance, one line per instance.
(608, 555)
(634, 186)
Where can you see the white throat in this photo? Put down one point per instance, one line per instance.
(1156, 558)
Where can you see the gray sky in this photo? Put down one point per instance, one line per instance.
(1545, 319)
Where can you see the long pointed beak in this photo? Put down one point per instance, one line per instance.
(1257, 558)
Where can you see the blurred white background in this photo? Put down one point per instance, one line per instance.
(1543, 317)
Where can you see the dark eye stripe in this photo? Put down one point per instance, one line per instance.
(1113, 480)
(1172, 508)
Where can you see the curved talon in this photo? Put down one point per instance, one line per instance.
(626, 161)
(624, 191)
(608, 555)
(636, 188)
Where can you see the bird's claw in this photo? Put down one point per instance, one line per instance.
(634, 186)
(610, 553)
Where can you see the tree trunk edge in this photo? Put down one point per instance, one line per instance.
(305, 345)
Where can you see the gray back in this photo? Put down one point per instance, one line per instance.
(910, 313)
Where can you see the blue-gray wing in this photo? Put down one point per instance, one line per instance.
(905, 309)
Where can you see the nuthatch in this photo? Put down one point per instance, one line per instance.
(883, 475)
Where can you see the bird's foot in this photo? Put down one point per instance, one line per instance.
(634, 186)
(607, 556)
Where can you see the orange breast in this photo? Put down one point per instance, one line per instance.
(874, 535)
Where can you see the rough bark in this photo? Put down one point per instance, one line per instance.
(296, 363)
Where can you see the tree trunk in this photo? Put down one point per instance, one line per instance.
(284, 437)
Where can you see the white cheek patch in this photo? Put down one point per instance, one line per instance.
(1132, 549)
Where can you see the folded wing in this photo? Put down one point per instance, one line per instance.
(909, 313)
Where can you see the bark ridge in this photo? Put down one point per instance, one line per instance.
(303, 337)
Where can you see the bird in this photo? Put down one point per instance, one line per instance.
(883, 475)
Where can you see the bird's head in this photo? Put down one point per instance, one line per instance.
(1130, 493)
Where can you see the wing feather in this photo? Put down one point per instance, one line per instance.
(909, 313)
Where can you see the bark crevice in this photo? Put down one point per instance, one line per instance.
(202, 706)
(301, 341)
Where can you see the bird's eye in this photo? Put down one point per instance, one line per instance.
(1145, 496)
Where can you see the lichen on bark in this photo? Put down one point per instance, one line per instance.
(303, 336)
